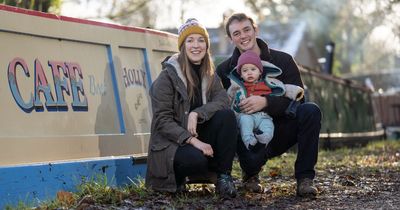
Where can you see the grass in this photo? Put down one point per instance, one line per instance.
(377, 155)
(373, 155)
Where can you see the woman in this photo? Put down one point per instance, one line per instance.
(192, 131)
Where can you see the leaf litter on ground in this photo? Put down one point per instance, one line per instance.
(347, 178)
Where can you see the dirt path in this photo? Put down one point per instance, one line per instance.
(359, 178)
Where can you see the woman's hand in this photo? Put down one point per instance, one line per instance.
(192, 123)
(204, 147)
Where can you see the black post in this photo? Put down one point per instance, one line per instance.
(330, 50)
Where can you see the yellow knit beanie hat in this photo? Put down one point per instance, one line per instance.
(192, 26)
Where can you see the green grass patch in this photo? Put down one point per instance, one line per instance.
(97, 190)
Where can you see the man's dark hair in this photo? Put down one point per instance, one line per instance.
(239, 17)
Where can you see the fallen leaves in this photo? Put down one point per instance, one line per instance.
(65, 198)
(357, 178)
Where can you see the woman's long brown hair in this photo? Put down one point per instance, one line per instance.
(206, 69)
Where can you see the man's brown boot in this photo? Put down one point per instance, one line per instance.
(252, 184)
(306, 188)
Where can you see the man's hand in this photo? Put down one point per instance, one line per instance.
(253, 104)
(204, 147)
(192, 123)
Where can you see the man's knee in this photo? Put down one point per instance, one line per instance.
(310, 110)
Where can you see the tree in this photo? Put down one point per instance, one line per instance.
(142, 13)
(349, 23)
(353, 27)
(131, 11)
(39, 5)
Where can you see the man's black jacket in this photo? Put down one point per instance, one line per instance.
(290, 75)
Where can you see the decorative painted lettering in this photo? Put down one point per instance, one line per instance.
(77, 87)
(134, 77)
(42, 87)
(60, 85)
(138, 101)
(12, 82)
(96, 88)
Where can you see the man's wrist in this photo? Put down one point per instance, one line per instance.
(266, 102)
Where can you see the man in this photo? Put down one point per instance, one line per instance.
(303, 128)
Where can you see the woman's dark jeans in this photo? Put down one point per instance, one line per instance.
(221, 133)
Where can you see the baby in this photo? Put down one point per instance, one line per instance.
(246, 80)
